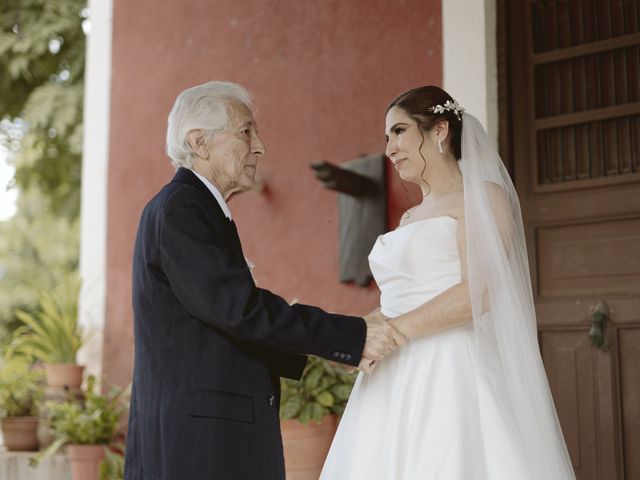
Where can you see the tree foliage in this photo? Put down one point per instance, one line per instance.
(42, 48)
(37, 252)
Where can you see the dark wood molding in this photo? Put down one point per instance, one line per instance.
(577, 118)
(586, 49)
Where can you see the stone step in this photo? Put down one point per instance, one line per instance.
(15, 466)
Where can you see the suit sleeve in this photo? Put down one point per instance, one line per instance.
(218, 289)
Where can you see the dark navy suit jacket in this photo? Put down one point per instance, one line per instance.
(210, 346)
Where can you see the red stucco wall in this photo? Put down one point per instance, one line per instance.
(322, 73)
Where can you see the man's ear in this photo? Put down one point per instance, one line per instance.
(198, 143)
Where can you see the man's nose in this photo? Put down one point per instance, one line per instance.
(257, 146)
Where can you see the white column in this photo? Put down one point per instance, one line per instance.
(93, 231)
(470, 65)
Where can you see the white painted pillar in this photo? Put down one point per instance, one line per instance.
(93, 229)
(470, 64)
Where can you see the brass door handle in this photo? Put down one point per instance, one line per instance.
(599, 319)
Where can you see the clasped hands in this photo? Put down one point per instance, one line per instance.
(382, 339)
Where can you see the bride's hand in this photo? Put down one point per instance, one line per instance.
(376, 315)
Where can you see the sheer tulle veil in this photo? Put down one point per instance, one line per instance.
(503, 311)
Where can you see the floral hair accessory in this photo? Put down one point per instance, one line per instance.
(451, 106)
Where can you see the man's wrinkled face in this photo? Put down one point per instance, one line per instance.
(234, 151)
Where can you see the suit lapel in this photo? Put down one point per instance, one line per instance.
(236, 238)
(186, 176)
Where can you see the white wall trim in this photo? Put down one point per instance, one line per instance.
(469, 58)
(95, 160)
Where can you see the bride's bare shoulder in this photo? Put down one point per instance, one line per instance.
(453, 203)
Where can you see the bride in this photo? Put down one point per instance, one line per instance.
(467, 397)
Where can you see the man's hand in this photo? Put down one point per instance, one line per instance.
(367, 366)
(382, 339)
(375, 316)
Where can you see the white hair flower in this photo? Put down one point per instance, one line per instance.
(451, 106)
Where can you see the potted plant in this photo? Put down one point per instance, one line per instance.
(309, 411)
(87, 427)
(53, 335)
(112, 467)
(20, 392)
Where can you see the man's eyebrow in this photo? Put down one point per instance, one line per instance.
(251, 123)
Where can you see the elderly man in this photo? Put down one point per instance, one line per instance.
(210, 346)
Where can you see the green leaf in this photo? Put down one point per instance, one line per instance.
(20, 388)
(342, 392)
(112, 467)
(312, 412)
(345, 377)
(318, 412)
(89, 422)
(52, 333)
(291, 408)
(306, 413)
(323, 389)
(325, 399)
(49, 451)
(338, 410)
(313, 377)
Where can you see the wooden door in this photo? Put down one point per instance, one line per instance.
(573, 138)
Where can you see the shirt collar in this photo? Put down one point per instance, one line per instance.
(216, 193)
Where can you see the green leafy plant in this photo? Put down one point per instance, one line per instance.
(20, 389)
(52, 333)
(112, 467)
(323, 389)
(92, 420)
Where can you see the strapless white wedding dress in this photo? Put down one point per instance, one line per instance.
(426, 412)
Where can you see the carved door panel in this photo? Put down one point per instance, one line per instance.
(574, 95)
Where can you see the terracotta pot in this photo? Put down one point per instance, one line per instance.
(20, 433)
(63, 374)
(85, 461)
(306, 446)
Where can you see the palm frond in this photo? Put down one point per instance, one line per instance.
(52, 333)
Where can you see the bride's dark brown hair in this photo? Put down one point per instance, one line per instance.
(417, 103)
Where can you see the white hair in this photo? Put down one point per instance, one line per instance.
(201, 107)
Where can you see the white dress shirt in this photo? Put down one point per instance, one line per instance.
(225, 209)
(216, 193)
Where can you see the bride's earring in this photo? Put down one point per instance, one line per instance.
(440, 147)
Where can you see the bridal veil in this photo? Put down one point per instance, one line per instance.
(504, 319)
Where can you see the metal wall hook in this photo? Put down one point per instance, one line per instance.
(597, 333)
(362, 210)
(342, 180)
